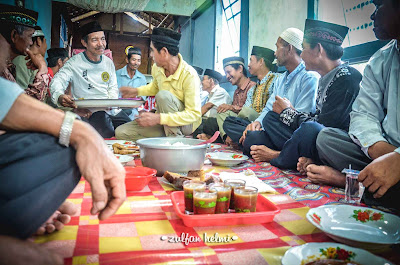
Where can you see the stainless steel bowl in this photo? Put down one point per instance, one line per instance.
(178, 159)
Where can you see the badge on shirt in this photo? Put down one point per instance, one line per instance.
(105, 76)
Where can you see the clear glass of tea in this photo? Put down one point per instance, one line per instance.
(204, 201)
(234, 183)
(223, 196)
(245, 199)
(188, 187)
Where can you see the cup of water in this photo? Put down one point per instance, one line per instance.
(354, 190)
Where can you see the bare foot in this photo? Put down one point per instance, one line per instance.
(303, 163)
(261, 153)
(203, 136)
(18, 252)
(325, 175)
(58, 219)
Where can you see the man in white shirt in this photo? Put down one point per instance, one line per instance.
(216, 97)
(92, 76)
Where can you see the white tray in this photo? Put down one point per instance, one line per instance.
(108, 103)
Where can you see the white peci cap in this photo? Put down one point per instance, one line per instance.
(294, 37)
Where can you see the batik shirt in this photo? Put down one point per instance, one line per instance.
(376, 111)
(337, 91)
(38, 89)
(258, 95)
(240, 96)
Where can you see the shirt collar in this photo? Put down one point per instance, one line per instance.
(215, 88)
(299, 68)
(178, 70)
(266, 77)
(125, 72)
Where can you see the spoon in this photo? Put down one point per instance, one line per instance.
(211, 140)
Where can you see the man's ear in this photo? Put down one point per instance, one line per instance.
(59, 62)
(83, 43)
(39, 42)
(320, 48)
(14, 35)
(126, 60)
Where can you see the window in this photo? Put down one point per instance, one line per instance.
(230, 33)
(355, 14)
(360, 43)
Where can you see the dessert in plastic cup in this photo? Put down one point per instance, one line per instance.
(234, 183)
(188, 187)
(223, 196)
(204, 201)
(245, 199)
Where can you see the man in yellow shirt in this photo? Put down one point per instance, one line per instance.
(175, 86)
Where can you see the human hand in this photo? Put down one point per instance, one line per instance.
(36, 61)
(223, 108)
(228, 141)
(381, 174)
(128, 92)
(84, 113)
(100, 168)
(254, 126)
(147, 119)
(280, 104)
(66, 101)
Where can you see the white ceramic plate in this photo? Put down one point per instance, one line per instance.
(357, 226)
(124, 158)
(226, 159)
(313, 251)
(215, 146)
(108, 103)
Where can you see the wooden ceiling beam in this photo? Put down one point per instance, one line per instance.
(88, 14)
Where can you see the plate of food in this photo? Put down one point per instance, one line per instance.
(124, 148)
(215, 146)
(226, 159)
(176, 180)
(329, 253)
(357, 226)
(108, 103)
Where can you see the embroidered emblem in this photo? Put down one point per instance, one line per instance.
(84, 75)
(105, 76)
(287, 116)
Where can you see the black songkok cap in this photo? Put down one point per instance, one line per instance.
(57, 53)
(265, 53)
(133, 50)
(317, 30)
(233, 60)
(199, 70)
(213, 74)
(90, 28)
(166, 36)
(18, 15)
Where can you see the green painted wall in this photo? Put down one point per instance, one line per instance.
(268, 18)
(174, 7)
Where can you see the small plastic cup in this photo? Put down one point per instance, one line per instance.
(234, 183)
(354, 190)
(204, 201)
(245, 199)
(223, 196)
(188, 187)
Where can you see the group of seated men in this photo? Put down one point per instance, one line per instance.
(320, 116)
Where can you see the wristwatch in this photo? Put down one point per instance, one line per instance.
(66, 128)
